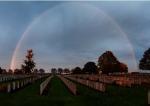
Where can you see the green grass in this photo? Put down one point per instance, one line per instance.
(59, 95)
(115, 95)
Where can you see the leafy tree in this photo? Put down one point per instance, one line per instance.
(72, 70)
(145, 61)
(18, 71)
(1, 70)
(4, 71)
(77, 70)
(123, 67)
(35, 71)
(41, 71)
(60, 70)
(53, 71)
(89, 67)
(66, 70)
(107, 62)
(10, 71)
(120, 67)
(29, 63)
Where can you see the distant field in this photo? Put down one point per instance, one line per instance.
(59, 95)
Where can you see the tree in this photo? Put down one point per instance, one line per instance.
(72, 70)
(1, 70)
(10, 71)
(35, 71)
(41, 71)
(107, 62)
(145, 61)
(77, 70)
(18, 71)
(90, 67)
(123, 67)
(4, 71)
(60, 70)
(66, 70)
(53, 70)
(29, 63)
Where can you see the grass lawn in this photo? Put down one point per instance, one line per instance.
(115, 95)
(59, 95)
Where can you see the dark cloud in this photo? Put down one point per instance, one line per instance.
(69, 34)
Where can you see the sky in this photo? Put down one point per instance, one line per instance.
(66, 34)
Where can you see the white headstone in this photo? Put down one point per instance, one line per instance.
(14, 85)
(149, 97)
(21, 83)
(17, 84)
(8, 88)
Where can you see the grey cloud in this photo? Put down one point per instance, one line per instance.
(74, 33)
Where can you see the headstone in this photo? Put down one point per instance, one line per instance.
(96, 87)
(149, 97)
(14, 85)
(41, 89)
(30, 80)
(103, 87)
(33, 80)
(8, 88)
(21, 83)
(17, 84)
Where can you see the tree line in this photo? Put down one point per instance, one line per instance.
(107, 63)
(27, 68)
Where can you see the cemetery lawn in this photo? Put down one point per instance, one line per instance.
(59, 95)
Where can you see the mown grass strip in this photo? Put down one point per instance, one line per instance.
(59, 95)
(115, 95)
(27, 96)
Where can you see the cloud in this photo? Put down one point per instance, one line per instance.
(70, 34)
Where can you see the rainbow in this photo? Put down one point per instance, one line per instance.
(96, 9)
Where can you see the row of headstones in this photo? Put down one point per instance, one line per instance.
(144, 77)
(102, 78)
(12, 77)
(85, 83)
(132, 75)
(69, 84)
(21, 83)
(96, 85)
(45, 83)
(123, 81)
